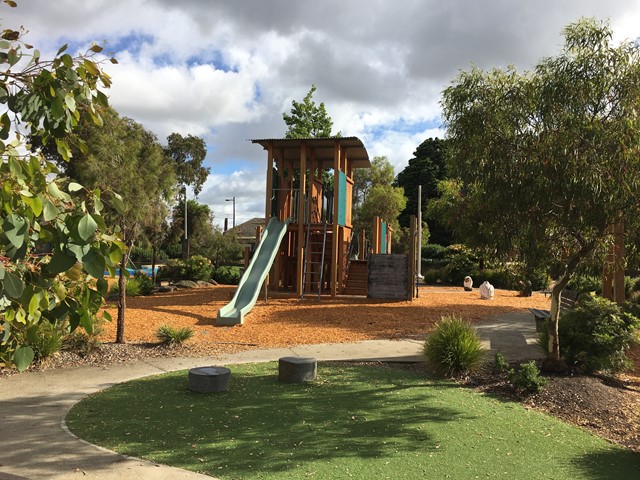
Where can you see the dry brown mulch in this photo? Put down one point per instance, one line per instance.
(282, 322)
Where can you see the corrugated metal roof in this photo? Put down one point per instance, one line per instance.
(324, 149)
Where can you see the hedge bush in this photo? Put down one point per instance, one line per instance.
(595, 335)
(227, 275)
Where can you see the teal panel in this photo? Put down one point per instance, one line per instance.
(342, 199)
(383, 230)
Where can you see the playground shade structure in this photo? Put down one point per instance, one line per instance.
(254, 276)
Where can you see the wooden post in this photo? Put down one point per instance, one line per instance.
(412, 257)
(335, 239)
(267, 207)
(301, 211)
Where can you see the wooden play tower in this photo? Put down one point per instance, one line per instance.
(310, 183)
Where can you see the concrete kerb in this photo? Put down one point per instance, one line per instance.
(35, 442)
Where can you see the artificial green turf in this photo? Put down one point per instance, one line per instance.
(353, 422)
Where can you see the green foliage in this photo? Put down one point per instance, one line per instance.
(198, 268)
(132, 287)
(596, 334)
(47, 339)
(42, 212)
(187, 154)
(308, 120)
(227, 275)
(426, 168)
(173, 271)
(459, 267)
(527, 378)
(454, 348)
(500, 364)
(544, 160)
(174, 336)
(81, 343)
(144, 282)
(585, 284)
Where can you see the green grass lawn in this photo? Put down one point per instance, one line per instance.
(353, 422)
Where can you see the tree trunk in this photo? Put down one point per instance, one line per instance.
(154, 254)
(122, 298)
(553, 354)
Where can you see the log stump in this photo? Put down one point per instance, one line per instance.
(297, 369)
(209, 379)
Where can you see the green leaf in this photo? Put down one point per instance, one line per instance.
(96, 48)
(22, 357)
(60, 262)
(34, 304)
(87, 322)
(50, 210)
(55, 192)
(118, 204)
(70, 102)
(107, 316)
(74, 187)
(87, 227)
(62, 49)
(94, 264)
(13, 285)
(34, 203)
(16, 228)
(103, 286)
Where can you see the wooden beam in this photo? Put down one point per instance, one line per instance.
(301, 211)
(334, 223)
(267, 207)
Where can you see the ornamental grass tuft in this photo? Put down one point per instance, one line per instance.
(174, 336)
(454, 349)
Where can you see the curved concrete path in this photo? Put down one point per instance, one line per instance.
(35, 444)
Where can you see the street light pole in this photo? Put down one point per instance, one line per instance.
(234, 209)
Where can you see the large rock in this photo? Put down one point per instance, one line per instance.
(186, 284)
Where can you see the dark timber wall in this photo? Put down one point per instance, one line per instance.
(388, 276)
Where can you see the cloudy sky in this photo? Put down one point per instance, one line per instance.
(226, 70)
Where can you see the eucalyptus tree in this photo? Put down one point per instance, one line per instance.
(547, 160)
(123, 156)
(54, 243)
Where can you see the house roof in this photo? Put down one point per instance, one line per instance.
(247, 230)
(324, 149)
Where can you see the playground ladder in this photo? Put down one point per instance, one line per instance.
(309, 260)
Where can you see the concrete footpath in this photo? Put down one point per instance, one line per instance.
(35, 444)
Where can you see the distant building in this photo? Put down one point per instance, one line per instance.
(246, 232)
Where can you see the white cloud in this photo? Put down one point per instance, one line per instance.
(227, 70)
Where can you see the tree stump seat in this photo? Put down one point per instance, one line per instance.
(297, 369)
(209, 379)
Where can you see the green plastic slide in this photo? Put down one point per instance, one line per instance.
(249, 287)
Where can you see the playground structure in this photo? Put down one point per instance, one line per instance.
(309, 242)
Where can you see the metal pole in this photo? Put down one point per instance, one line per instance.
(419, 232)
(234, 212)
(185, 213)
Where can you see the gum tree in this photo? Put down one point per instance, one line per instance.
(547, 160)
(54, 243)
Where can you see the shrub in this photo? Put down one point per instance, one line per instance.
(145, 283)
(585, 284)
(500, 364)
(174, 336)
(433, 251)
(197, 268)
(595, 335)
(132, 286)
(459, 267)
(432, 275)
(454, 347)
(227, 275)
(81, 343)
(527, 378)
(173, 271)
(499, 278)
(46, 339)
